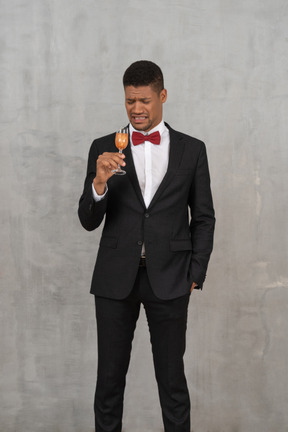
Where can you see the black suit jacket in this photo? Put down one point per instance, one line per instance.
(178, 244)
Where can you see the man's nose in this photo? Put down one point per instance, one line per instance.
(138, 108)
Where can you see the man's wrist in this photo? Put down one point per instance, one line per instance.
(99, 187)
(98, 197)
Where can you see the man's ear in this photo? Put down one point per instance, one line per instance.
(163, 95)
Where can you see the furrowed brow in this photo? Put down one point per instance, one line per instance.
(141, 99)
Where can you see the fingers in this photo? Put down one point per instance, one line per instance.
(193, 286)
(110, 161)
(106, 163)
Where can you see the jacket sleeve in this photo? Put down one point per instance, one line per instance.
(90, 212)
(202, 219)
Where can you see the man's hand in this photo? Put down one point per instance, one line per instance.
(193, 286)
(105, 164)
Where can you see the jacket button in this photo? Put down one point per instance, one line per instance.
(139, 242)
(147, 215)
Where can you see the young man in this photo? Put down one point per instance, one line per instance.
(151, 250)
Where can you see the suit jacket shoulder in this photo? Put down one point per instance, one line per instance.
(102, 144)
(190, 140)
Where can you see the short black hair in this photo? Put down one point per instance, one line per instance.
(144, 73)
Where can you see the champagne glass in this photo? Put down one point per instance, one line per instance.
(121, 142)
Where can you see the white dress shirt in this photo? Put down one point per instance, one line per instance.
(151, 162)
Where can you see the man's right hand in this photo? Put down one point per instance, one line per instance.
(106, 162)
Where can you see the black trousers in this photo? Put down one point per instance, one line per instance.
(116, 322)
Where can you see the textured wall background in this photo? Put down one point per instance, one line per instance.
(225, 64)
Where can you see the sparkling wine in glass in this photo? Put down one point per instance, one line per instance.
(121, 141)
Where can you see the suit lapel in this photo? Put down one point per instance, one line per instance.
(131, 172)
(175, 156)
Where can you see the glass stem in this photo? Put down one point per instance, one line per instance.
(119, 168)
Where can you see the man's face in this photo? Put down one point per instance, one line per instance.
(144, 106)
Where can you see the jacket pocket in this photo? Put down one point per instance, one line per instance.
(110, 242)
(180, 245)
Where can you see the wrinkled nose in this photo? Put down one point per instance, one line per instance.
(138, 108)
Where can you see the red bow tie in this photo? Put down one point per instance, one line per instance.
(139, 138)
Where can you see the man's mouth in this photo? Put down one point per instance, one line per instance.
(139, 118)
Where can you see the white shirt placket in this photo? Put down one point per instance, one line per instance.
(148, 173)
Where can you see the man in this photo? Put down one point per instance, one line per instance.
(151, 251)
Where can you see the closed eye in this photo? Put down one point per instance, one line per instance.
(132, 101)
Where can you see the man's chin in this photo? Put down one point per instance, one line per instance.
(143, 127)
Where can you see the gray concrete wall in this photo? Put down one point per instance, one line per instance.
(225, 64)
